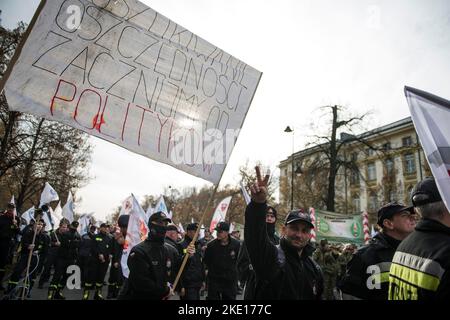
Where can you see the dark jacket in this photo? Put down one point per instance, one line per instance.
(221, 261)
(193, 274)
(152, 265)
(103, 245)
(117, 251)
(41, 242)
(174, 244)
(87, 245)
(280, 272)
(245, 269)
(8, 230)
(70, 241)
(374, 261)
(421, 266)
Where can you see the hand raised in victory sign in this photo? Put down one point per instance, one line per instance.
(259, 189)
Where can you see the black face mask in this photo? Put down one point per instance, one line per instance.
(157, 233)
(270, 228)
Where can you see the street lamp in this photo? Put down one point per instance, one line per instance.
(289, 130)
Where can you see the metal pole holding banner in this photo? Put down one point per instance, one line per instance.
(186, 256)
(30, 256)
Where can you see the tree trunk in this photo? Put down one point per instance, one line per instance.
(24, 184)
(333, 163)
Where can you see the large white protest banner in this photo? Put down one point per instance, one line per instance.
(431, 118)
(122, 72)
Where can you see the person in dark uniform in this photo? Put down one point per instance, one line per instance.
(101, 257)
(85, 252)
(367, 274)
(193, 276)
(115, 279)
(66, 256)
(286, 271)
(247, 276)
(220, 260)
(50, 261)
(172, 238)
(153, 264)
(9, 228)
(38, 249)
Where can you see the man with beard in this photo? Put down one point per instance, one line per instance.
(286, 271)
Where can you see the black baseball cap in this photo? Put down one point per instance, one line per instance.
(388, 210)
(172, 227)
(298, 215)
(425, 192)
(222, 226)
(11, 206)
(192, 226)
(159, 217)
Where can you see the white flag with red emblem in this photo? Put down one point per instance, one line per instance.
(431, 118)
(220, 213)
(136, 232)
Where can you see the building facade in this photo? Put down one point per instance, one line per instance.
(376, 167)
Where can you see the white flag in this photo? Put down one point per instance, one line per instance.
(84, 222)
(68, 209)
(245, 193)
(127, 204)
(180, 228)
(129, 75)
(28, 215)
(56, 214)
(136, 232)
(48, 219)
(148, 213)
(231, 227)
(373, 233)
(48, 195)
(431, 118)
(161, 206)
(220, 213)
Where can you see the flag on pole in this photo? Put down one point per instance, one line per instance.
(245, 193)
(312, 214)
(431, 118)
(127, 204)
(56, 214)
(149, 212)
(68, 209)
(136, 232)
(180, 228)
(48, 219)
(219, 213)
(28, 215)
(48, 195)
(84, 222)
(161, 206)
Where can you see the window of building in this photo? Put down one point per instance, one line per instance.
(387, 146)
(356, 203)
(354, 157)
(410, 163)
(371, 172)
(373, 202)
(370, 152)
(389, 163)
(354, 177)
(407, 141)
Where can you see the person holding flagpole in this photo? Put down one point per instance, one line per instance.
(9, 228)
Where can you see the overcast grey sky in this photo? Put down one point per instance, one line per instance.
(356, 53)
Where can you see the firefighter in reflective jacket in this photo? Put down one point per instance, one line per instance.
(367, 272)
(420, 269)
(101, 256)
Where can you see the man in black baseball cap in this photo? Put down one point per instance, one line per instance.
(396, 221)
(426, 251)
